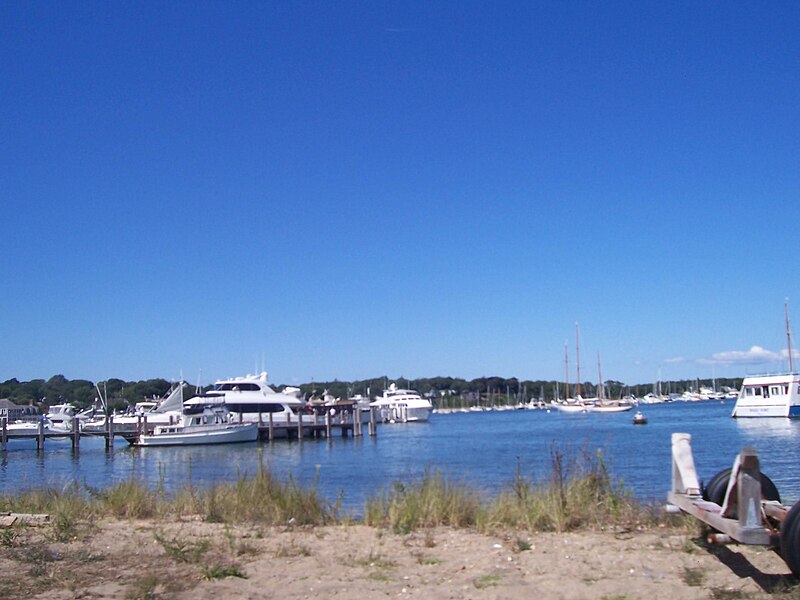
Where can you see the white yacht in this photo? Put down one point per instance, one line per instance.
(769, 396)
(250, 399)
(201, 423)
(61, 417)
(401, 406)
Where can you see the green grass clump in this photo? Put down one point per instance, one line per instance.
(131, 499)
(259, 499)
(580, 494)
(212, 572)
(430, 503)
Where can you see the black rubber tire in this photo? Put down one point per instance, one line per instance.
(790, 539)
(716, 488)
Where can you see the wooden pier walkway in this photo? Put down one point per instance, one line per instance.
(317, 424)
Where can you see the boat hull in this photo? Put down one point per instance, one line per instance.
(570, 408)
(610, 409)
(230, 434)
(403, 414)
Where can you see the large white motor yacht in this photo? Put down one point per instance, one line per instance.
(250, 399)
(401, 406)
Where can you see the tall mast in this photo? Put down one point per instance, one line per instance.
(577, 359)
(566, 371)
(599, 379)
(788, 333)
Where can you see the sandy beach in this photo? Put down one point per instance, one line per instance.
(192, 560)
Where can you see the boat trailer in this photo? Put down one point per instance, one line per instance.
(740, 504)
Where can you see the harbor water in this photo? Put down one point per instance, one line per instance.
(481, 449)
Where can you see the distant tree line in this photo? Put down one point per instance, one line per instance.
(443, 391)
(81, 392)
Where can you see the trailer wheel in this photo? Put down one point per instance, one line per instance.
(790, 539)
(716, 488)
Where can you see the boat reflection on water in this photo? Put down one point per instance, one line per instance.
(775, 428)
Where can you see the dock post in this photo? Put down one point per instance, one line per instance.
(300, 426)
(357, 423)
(40, 435)
(109, 430)
(76, 433)
(372, 426)
(4, 433)
(271, 430)
(328, 425)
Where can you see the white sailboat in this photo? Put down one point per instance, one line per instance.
(572, 405)
(602, 405)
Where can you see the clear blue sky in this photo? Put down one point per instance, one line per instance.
(412, 189)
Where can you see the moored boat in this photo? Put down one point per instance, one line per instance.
(250, 399)
(201, 423)
(639, 418)
(402, 406)
(769, 396)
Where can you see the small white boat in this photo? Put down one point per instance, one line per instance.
(639, 419)
(402, 406)
(201, 423)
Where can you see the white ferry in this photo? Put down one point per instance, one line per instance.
(769, 396)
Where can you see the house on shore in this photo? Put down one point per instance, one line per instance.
(16, 411)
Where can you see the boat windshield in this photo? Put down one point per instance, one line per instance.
(236, 386)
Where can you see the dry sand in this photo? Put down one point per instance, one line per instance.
(144, 559)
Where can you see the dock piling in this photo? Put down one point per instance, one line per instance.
(40, 435)
(372, 420)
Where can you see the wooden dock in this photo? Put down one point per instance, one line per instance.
(320, 423)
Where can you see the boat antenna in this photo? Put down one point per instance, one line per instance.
(577, 359)
(788, 333)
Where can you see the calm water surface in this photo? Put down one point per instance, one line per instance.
(483, 450)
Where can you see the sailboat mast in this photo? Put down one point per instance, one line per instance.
(599, 379)
(566, 371)
(577, 360)
(788, 333)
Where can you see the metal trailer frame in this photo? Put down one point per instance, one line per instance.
(744, 516)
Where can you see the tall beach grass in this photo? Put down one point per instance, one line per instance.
(579, 493)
